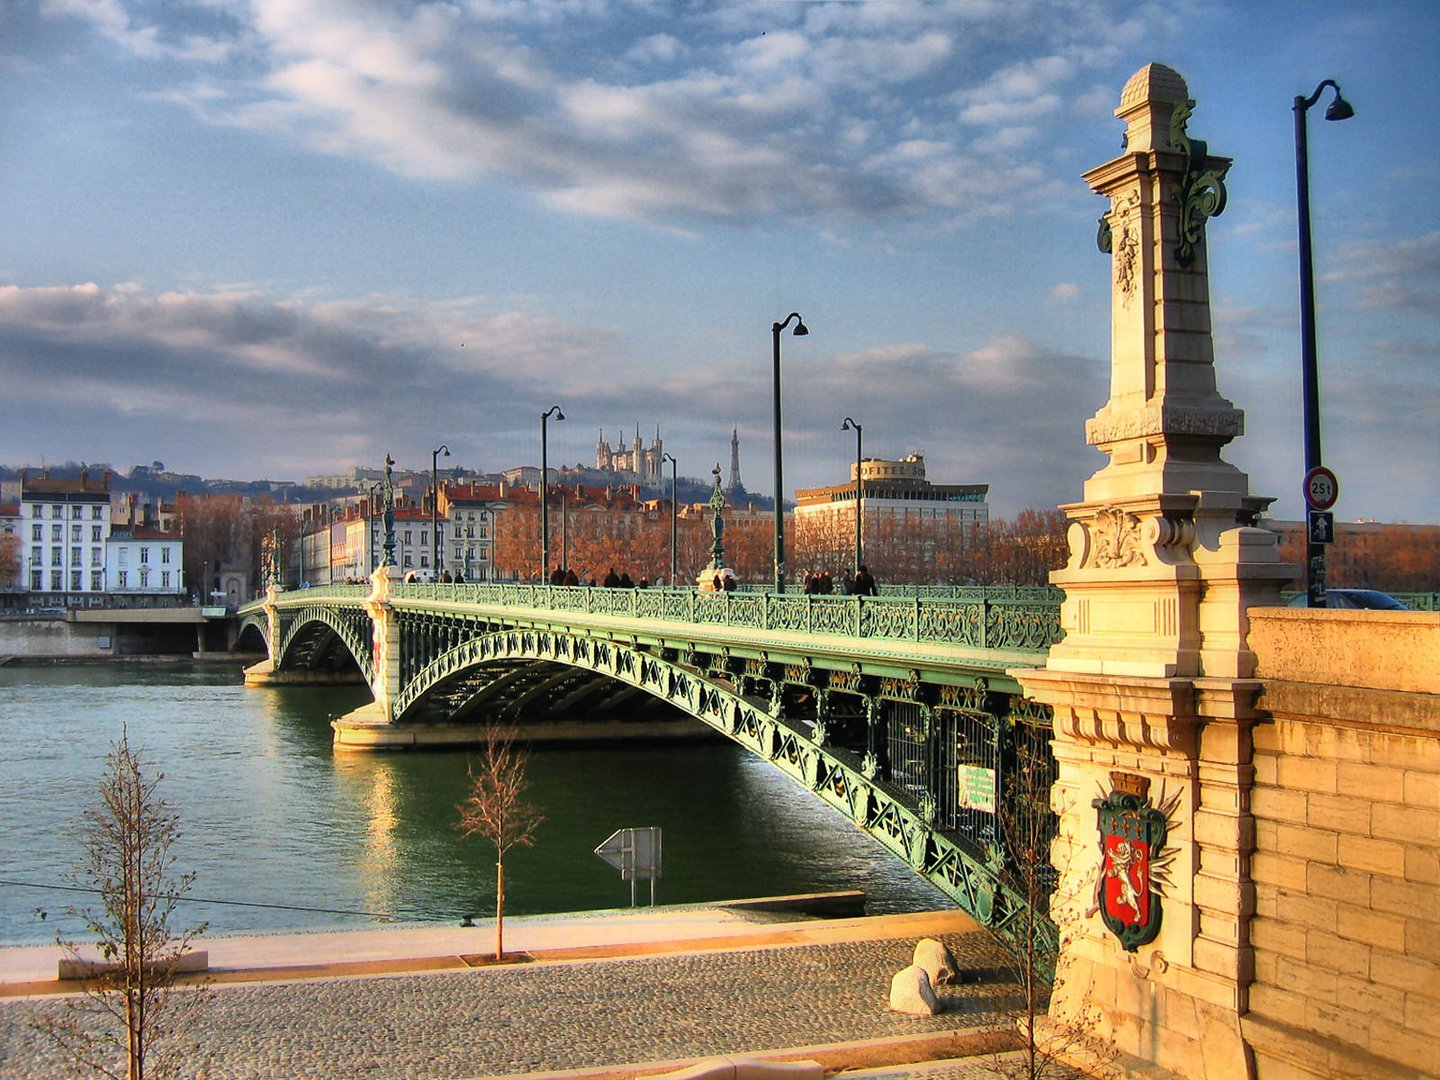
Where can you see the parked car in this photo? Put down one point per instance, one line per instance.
(1372, 599)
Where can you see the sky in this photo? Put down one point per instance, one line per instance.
(279, 238)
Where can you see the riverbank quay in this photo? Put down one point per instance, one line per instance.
(81, 634)
(612, 994)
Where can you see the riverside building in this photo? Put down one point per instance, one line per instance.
(906, 518)
(64, 526)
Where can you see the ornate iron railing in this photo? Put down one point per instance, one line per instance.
(1026, 620)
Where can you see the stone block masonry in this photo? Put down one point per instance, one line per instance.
(1347, 819)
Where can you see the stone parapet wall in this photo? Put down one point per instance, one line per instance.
(1346, 867)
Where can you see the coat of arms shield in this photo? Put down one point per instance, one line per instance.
(1132, 834)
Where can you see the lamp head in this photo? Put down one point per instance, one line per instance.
(444, 450)
(554, 411)
(1339, 109)
(799, 331)
(849, 425)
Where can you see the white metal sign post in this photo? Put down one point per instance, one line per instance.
(636, 854)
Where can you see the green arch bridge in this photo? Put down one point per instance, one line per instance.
(897, 711)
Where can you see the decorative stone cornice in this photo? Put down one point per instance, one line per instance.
(1151, 714)
(1158, 419)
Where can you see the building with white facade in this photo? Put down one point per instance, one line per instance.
(143, 567)
(64, 526)
(637, 464)
(336, 547)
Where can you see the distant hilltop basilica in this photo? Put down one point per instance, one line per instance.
(637, 465)
(642, 464)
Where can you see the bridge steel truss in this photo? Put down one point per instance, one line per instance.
(896, 712)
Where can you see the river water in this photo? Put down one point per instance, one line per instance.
(271, 816)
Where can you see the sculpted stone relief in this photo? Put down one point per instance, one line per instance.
(1116, 539)
(1122, 239)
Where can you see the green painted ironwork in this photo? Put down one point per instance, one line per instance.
(852, 697)
(1025, 620)
(350, 625)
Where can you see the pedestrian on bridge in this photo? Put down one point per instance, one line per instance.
(864, 583)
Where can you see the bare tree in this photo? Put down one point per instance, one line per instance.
(9, 560)
(128, 835)
(1050, 1048)
(497, 810)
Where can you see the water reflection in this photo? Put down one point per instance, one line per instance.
(371, 785)
(269, 814)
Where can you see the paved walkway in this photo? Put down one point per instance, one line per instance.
(610, 994)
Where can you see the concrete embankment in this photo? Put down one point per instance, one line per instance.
(89, 635)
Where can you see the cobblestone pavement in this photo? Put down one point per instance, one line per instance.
(549, 1016)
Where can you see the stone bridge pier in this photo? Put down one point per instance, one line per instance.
(1153, 686)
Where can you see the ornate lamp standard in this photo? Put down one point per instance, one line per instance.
(799, 331)
(554, 411)
(859, 490)
(435, 508)
(389, 489)
(1339, 109)
(674, 504)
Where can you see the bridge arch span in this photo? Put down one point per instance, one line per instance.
(252, 631)
(798, 747)
(323, 637)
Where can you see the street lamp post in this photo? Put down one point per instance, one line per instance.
(674, 505)
(435, 508)
(799, 331)
(370, 533)
(564, 529)
(554, 411)
(859, 490)
(1339, 109)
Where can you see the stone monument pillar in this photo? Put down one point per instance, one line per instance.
(1152, 685)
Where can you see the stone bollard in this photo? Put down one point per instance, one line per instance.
(935, 958)
(910, 992)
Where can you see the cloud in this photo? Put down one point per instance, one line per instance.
(227, 382)
(274, 382)
(733, 113)
(1020, 91)
(150, 41)
(1399, 276)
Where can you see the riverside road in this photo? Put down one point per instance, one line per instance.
(765, 988)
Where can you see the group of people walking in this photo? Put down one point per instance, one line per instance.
(566, 576)
(819, 583)
(414, 576)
